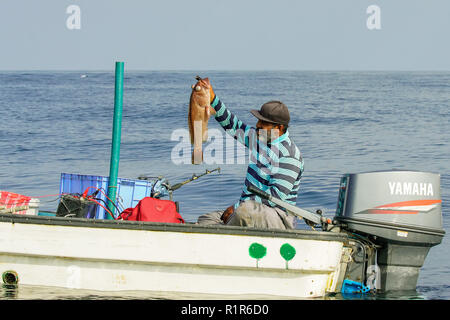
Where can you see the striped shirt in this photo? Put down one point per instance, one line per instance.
(274, 168)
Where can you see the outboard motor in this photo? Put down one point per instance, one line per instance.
(395, 217)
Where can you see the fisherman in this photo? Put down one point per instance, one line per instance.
(276, 167)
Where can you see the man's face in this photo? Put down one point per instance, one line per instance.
(267, 131)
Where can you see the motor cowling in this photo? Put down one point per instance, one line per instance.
(398, 211)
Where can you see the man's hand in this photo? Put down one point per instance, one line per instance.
(227, 214)
(211, 92)
(205, 83)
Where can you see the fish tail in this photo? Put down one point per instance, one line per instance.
(197, 155)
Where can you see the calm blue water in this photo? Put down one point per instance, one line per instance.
(343, 122)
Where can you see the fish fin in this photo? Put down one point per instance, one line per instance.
(209, 111)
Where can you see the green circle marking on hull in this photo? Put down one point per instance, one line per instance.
(257, 251)
(287, 252)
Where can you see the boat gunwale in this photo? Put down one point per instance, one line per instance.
(173, 227)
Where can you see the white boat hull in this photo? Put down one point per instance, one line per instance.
(114, 256)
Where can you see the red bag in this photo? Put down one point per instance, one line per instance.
(154, 210)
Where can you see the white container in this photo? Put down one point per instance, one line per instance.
(33, 207)
(11, 202)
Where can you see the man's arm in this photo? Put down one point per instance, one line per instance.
(231, 124)
(284, 177)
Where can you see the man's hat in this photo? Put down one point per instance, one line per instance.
(274, 112)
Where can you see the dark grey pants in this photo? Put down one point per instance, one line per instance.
(251, 214)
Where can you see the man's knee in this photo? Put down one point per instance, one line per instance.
(246, 215)
(210, 218)
(254, 214)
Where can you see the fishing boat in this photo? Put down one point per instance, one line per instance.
(384, 226)
(109, 255)
(377, 241)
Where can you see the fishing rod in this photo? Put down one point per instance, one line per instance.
(194, 177)
(310, 218)
(165, 183)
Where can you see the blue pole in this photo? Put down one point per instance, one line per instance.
(115, 146)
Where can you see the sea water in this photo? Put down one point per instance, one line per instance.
(343, 122)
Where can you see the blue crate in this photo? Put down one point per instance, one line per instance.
(129, 192)
(352, 287)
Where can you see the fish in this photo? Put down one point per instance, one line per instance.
(200, 111)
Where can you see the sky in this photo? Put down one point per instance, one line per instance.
(225, 35)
